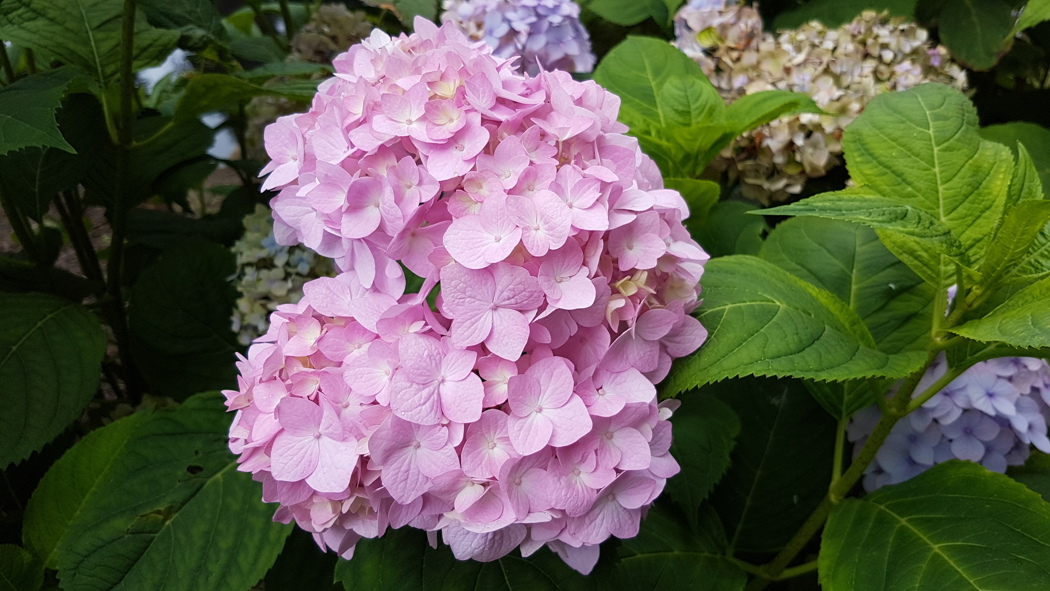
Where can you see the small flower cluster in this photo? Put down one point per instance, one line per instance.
(331, 30)
(268, 274)
(520, 410)
(990, 414)
(842, 69)
(543, 34)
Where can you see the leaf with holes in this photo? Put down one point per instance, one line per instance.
(154, 501)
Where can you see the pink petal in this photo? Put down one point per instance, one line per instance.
(461, 400)
(293, 457)
(530, 434)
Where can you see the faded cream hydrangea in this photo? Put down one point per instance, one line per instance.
(842, 69)
(331, 30)
(269, 274)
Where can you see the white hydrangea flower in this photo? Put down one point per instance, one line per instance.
(842, 69)
(268, 274)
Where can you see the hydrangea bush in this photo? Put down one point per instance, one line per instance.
(521, 410)
(542, 34)
(841, 68)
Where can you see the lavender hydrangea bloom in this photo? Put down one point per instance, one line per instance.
(544, 34)
(990, 414)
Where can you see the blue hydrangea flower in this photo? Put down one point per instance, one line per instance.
(992, 414)
(543, 34)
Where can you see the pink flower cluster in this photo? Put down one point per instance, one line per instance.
(520, 410)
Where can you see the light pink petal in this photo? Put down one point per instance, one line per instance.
(509, 334)
(293, 457)
(530, 434)
(461, 400)
(555, 379)
(335, 465)
(414, 402)
(571, 422)
(299, 416)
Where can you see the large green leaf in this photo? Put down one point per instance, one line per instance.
(921, 147)
(955, 526)
(19, 570)
(977, 32)
(637, 69)
(849, 261)
(403, 560)
(179, 314)
(155, 501)
(27, 111)
(759, 108)
(1034, 137)
(83, 33)
(50, 355)
(705, 431)
(764, 321)
(780, 465)
(1021, 321)
(699, 195)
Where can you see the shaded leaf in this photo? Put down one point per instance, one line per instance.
(27, 110)
(699, 195)
(705, 432)
(764, 321)
(1035, 474)
(976, 32)
(833, 13)
(19, 570)
(213, 92)
(955, 526)
(629, 12)
(779, 470)
(154, 501)
(179, 314)
(50, 355)
(728, 229)
(1034, 137)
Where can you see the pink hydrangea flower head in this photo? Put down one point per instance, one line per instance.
(519, 407)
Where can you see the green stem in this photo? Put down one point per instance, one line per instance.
(840, 445)
(264, 22)
(286, 16)
(68, 207)
(799, 570)
(30, 61)
(20, 226)
(5, 61)
(122, 201)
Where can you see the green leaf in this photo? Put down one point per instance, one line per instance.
(33, 176)
(213, 92)
(19, 570)
(83, 33)
(197, 20)
(699, 195)
(921, 147)
(833, 13)
(955, 526)
(1034, 12)
(50, 355)
(764, 321)
(154, 501)
(638, 69)
(728, 229)
(849, 261)
(1024, 183)
(780, 465)
(759, 108)
(865, 206)
(403, 560)
(1021, 321)
(977, 32)
(1035, 474)
(629, 12)
(705, 431)
(1035, 138)
(27, 111)
(302, 565)
(179, 314)
(1020, 251)
(667, 555)
(407, 10)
